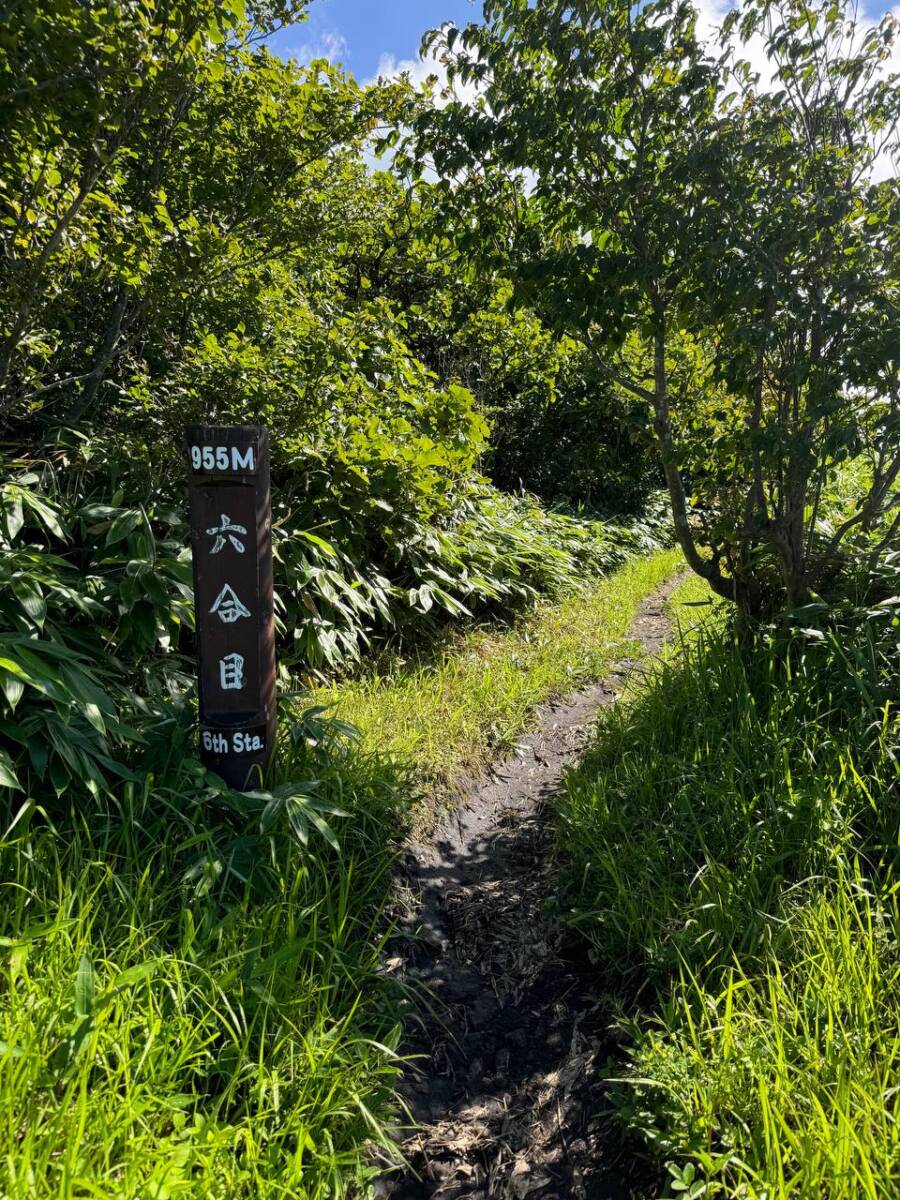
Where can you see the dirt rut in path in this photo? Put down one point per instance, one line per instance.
(512, 1043)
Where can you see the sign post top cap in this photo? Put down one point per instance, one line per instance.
(228, 431)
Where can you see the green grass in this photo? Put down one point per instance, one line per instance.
(188, 1008)
(447, 714)
(191, 1000)
(732, 847)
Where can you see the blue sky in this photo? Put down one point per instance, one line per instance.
(368, 35)
(363, 33)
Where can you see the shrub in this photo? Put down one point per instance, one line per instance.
(96, 599)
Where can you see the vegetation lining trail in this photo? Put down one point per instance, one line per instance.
(503, 1095)
(449, 715)
(732, 862)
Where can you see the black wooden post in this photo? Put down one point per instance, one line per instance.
(231, 534)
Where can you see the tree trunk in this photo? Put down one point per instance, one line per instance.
(105, 356)
(729, 589)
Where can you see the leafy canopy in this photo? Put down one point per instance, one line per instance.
(720, 247)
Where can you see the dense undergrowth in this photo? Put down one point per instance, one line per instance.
(191, 1002)
(96, 602)
(732, 839)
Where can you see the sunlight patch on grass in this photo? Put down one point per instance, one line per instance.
(447, 714)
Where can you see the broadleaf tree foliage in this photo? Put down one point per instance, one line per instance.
(718, 243)
(626, 241)
(190, 231)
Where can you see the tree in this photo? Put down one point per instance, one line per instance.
(805, 298)
(150, 156)
(653, 234)
(461, 316)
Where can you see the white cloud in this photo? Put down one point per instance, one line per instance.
(711, 15)
(886, 167)
(330, 44)
(418, 70)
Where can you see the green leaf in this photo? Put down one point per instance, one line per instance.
(124, 524)
(45, 513)
(15, 517)
(297, 818)
(132, 975)
(8, 777)
(30, 596)
(12, 688)
(84, 988)
(95, 717)
(323, 827)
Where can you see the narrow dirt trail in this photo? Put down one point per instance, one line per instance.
(504, 1088)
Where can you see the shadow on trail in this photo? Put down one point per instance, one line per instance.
(507, 1089)
(510, 1083)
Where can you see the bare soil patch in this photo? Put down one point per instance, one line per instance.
(512, 1032)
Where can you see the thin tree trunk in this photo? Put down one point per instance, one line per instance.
(105, 356)
(663, 428)
(11, 341)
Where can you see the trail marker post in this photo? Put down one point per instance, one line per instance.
(231, 536)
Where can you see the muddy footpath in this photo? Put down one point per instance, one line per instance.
(506, 1074)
